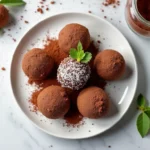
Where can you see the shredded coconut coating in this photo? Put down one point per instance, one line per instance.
(72, 74)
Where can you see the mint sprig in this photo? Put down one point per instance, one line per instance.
(12, 2)
(79, 54)
(143, 120)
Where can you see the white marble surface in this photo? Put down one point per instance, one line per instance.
(17, 133)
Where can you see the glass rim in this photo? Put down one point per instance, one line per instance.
(138, 15)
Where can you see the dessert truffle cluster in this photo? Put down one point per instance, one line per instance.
(73, 74)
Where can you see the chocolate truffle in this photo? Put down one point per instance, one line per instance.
(109, 64)
(72, 74)
(71, 34)
(4, 16)
(93, 102)
(53, 102)
(36, 64)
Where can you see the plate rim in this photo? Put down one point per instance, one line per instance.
(47, 18)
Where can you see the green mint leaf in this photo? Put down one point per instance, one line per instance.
(79, 46)
(148, 113)
(12, 2)
(81, 55)
(147, 108)
(143, 124)
(141, 101)
(73, 53)
(87, 57)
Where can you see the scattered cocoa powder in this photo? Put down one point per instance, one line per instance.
(94, 50)
(33, 99)
(3, 68)
(98, 41)
(53, 50)
(14, 39)
(44, 6)
(53, 2)
(111, 2)
(26, 21)
(40, 10)
(47, 9)
(73, 116)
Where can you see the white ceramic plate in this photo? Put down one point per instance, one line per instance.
(121, 92)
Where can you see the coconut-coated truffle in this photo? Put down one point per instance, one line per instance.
(109, 64)
(70, 36)
(4, 16)
(53, 102)
(93, 102)
(36, 64)
(72, 74)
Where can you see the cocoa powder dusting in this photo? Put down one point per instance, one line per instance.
(73, 117)
(45, 83)
(3, 68)
(40, 10)
(94, 50)
(53, 50)
(26, 22)
(33, 99)
(53, 2)
(111, 2)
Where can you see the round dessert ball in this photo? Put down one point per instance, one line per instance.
(93, 102)
(4, 16)
(70, 36)
(109, 64)
(72, 74)
(36, 64)
(53, 102)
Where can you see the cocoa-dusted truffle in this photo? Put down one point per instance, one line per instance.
(53, 102)
(72, 74)
(4, 16)
(36, 64)
(71, 34)
(93, 102)
(109, 64)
